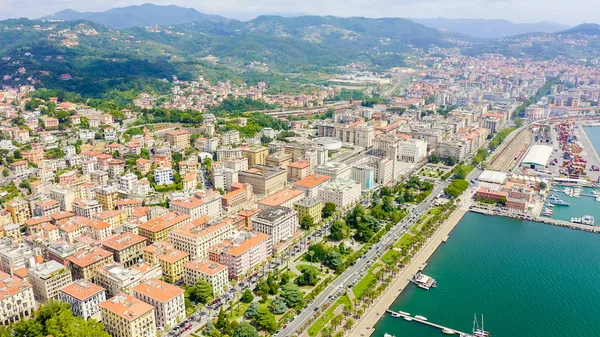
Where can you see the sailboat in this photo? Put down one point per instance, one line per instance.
(479, 332)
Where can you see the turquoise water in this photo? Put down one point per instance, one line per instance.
(528, 279)
(578, 206)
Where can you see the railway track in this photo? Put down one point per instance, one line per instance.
(516, 147)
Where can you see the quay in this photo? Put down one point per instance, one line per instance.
(441, 327)
(555, 222)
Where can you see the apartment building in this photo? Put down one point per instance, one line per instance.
(413, 150)
(16, 299)
(114, 218)
(309, 206)
(231, 137)
(227, 152)
(126, 247)
(333, 169)
(256, 155)
(47, 279)
(172, 264)
(83, 264)
(163, 176)
(19, 210)
(212, 272)
(167, 299)
(198, 236)
(125, 316)
(298, 170)
(311, 184)
(208, 204)
(264, 180)
(280, 223)
(342, 192)
(155, 250)
(240, 197)
(84, 297)
(157, 229)
(284, 198)
(279, 159)
(178, 138)
(107, 196)
(242, 252)
(46, 207)
(116, 278)
(86, 208)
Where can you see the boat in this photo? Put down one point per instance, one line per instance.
(395, 314)
(477, 331)
(587, 220)
(597, 198)
(448, 331)
(576, 220)
(388, 335)
(423, 281)
(403, 313)
(559, 202)
(421, 317)
(549, 205)
(408, 318)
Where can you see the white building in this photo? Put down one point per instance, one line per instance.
(413, 150)
(230, 137)
(335, 170)
(342, 192)
(163, 176)
(212, 272)
(278, 222)
(126, 182)
(84, 298)
(16, 299)
(364, 175)
(365, 135)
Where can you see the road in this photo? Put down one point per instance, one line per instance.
(350, 275)
(397, 80)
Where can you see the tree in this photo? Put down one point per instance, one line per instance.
(307, 222)
(5, 173)
(201, 291)
(247, 296)
(328, 210)
(17, 154)
(273, 286)
(266, 320)
(291, 294)
(333, 259)
(349, 324)
(245, 329)
(339, 230)
(278, 306)
(223, 323)
(252, 310)
(434, 158)
(450, 161)
(543, 185)
(518, 122)
(308, 277)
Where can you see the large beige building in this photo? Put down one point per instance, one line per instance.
(179, 138)
(126, 316)
(107, 196)
(47, 279)
(84, 263)
(256, 155)
(126, 247)
(19, 210)
(16, 299)
(167, 299)
(84, 298)
(265, 180)
(212, 272)
(157, 229)
(196, 237)
(117, 279)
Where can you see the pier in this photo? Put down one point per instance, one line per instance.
(555, 222)
(441, 327)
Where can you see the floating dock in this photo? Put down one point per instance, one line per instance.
(438, 326)
(550, 221)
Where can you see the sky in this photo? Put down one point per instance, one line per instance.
(567, 12)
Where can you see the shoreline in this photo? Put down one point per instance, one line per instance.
(365, 326)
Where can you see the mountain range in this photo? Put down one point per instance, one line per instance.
(99, 57)
(490, 29)
(133, 16)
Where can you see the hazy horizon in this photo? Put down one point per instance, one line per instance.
(516, 11)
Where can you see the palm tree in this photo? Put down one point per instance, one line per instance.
(311, 253)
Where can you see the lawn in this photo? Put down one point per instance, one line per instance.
(389, 256)
(404, 241)
(235, 313)
(302, 267)
(320, 323)
(362, 285)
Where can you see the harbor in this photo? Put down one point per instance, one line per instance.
(477, 272)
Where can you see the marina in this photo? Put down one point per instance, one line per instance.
(558, 257)
(423, 320)
(423, 281)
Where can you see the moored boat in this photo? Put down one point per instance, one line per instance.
(421, 317)
(408, 318)
(448, 331)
